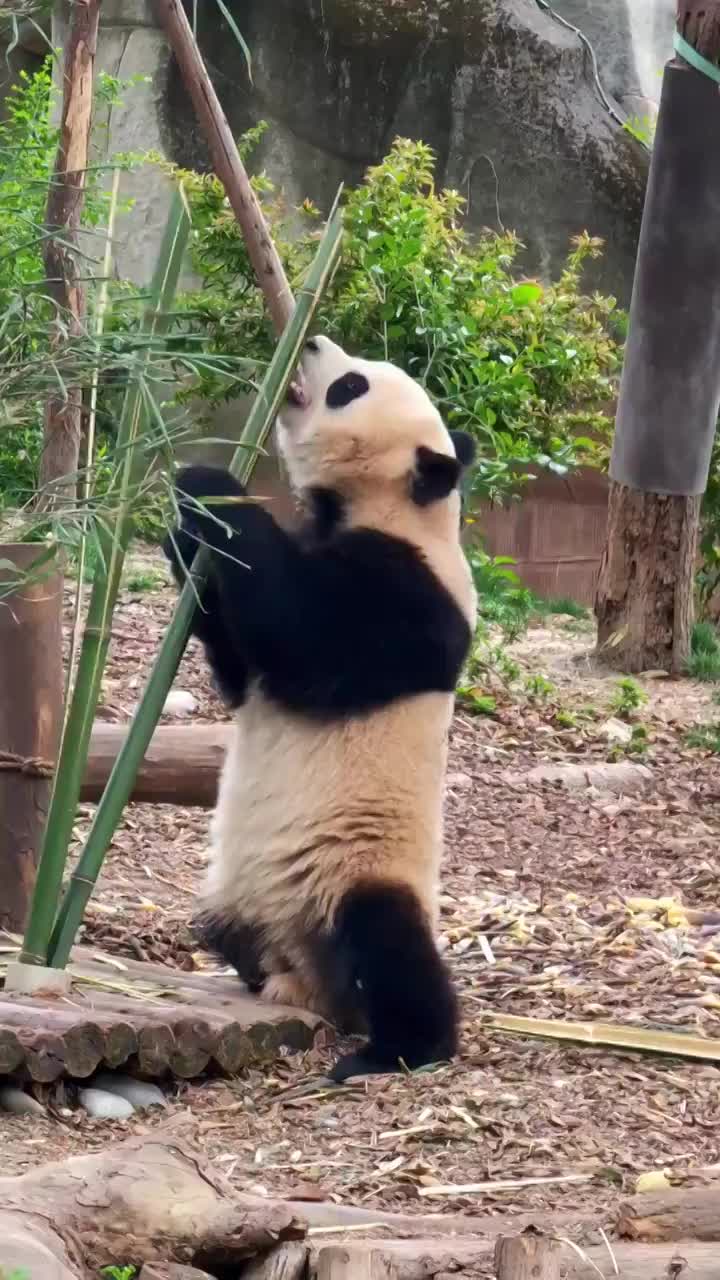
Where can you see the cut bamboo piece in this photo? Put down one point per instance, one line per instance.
(607, 1035)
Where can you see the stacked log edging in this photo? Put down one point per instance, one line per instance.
(147, 1018)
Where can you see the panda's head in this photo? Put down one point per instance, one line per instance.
(366, 431)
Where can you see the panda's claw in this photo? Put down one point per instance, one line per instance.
(362, 1063)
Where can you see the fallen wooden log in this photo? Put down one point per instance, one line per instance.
(181, 766)
(146, 1200)
(425, 1259)
(681, 1213)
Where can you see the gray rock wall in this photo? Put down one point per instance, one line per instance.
(500, 90)
(632, 40)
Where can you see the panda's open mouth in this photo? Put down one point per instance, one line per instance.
(296, 394)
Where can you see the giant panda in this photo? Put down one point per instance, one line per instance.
(338, 646)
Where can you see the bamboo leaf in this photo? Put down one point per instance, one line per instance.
(112, 540)
(237, 34)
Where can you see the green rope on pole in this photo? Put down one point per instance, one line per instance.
(696, 59)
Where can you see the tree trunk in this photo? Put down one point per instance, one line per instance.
(63, 411)
(699, 22)
(644, 603)
(530, 1256)
(670, 391)
(30, 714)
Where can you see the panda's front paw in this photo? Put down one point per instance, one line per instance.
(207, 499)
(179, 548)
(207, 484)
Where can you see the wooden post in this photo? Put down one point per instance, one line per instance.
(530, 1256)
(30, 712)
(670, 392)
(63, 412)
(228, 165)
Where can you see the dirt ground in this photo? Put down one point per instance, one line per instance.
(551, 908)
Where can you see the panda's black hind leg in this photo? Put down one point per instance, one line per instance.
(383, 936)
(235, 942)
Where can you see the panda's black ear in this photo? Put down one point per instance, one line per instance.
(464, 447)
(436, 475)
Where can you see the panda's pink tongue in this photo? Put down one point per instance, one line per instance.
(296, 394)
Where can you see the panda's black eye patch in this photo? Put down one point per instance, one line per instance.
(346, 389)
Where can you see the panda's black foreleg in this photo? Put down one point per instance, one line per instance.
(409, 1001)
(254, 561)
(236, 943)
(223, 648)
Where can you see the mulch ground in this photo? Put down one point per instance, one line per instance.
(556, 903)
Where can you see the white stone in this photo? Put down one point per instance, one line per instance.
(105, 1106)
(616, 731)
(458, 781)
(139, 1093)
(180, 702)
(19, 1103)
(621, 778)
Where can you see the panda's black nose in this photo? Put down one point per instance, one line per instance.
(312, 344)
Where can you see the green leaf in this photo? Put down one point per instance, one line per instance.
(523, 295)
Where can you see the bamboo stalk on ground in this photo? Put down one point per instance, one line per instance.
(112, 535)
(606, 1035)
(122, 778)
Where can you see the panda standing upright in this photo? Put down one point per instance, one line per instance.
(339, 648)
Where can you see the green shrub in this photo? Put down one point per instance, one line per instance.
(562, 605)
(28, 367)
(502, 598)
(528, 369)
(33, 365)
(627, 698)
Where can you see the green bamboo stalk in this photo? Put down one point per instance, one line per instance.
(98, 329)
(112, 536)
(122, 778)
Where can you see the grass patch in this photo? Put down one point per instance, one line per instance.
(706, 737)
(561, 605)
(142, 580)
(704, 661)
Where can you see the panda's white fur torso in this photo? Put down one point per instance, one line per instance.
(301, 797)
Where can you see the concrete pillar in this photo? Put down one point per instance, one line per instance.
(130, 45)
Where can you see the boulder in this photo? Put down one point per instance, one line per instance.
(503, 93)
